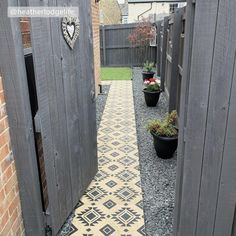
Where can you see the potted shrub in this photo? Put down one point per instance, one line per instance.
(147, 70)
(152, 91)
(165, 135)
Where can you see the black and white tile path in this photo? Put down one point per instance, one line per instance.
(112, 205)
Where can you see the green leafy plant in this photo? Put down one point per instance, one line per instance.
(152, 84)
(164, 127)
(148, 66)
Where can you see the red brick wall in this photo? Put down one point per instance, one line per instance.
(96, 41)
(43, 180)
(25, 29)
(11, 222)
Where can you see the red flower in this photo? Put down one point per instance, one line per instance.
(152, 80)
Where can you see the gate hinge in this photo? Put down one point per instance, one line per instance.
(48, 230)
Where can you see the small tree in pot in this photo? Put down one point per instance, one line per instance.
(165, 135)
(152, 91)
(148, 72)
(141, 37)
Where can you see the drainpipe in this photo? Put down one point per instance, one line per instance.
(145, 11)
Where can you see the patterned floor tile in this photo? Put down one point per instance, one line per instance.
(112, 205)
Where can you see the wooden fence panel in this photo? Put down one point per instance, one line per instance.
(218, 186)
(205, 198)
(174, 79)
(116, 49)
(163, 52)
(201, 64)
(171, 58)
(190, 12)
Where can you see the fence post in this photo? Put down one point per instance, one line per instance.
(177, 28)
(188, 35)
(104, 45)
(158, 25)
(163, 58)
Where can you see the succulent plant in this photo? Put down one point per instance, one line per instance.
(164, 127)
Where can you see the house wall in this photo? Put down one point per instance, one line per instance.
(110, 12)
(11, 222)
(138, 8)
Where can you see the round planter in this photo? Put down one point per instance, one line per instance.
(165, 146)
(148, 75)
(151, 98)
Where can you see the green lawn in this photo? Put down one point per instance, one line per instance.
(116, 73)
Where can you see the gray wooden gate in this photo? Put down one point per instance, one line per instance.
(206, 180)
(66, 117)
(66, 95)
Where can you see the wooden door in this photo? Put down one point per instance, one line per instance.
(67, 115)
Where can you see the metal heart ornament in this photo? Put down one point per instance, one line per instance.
(70, 29)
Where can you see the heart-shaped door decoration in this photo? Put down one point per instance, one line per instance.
(70, 30)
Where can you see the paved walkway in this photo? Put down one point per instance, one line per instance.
(112, 204)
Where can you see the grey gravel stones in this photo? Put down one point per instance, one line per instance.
(157, 176)
(101, 102)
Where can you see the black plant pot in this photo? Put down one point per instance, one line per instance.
(148, 75)
(165, 146)
(151, 98)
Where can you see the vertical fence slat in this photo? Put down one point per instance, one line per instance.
(200, 73)
(177, 27)
(104, 45)
(158, 25)
(225, 222)
(219, 150)
(12, 67)
(190, 11)
(164, 47)
(44, 73)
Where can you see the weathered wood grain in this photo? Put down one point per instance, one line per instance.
(12, 67)
(66, 91)
(163, 57)
(218, 189)
(177, 29)
(158, 26)
(192, 150)
(190, 13)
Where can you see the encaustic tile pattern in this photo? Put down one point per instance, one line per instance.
(112, 205)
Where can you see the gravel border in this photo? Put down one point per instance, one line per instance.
(101, 102)
(157, 175)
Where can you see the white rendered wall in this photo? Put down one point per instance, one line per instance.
(138, 8)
